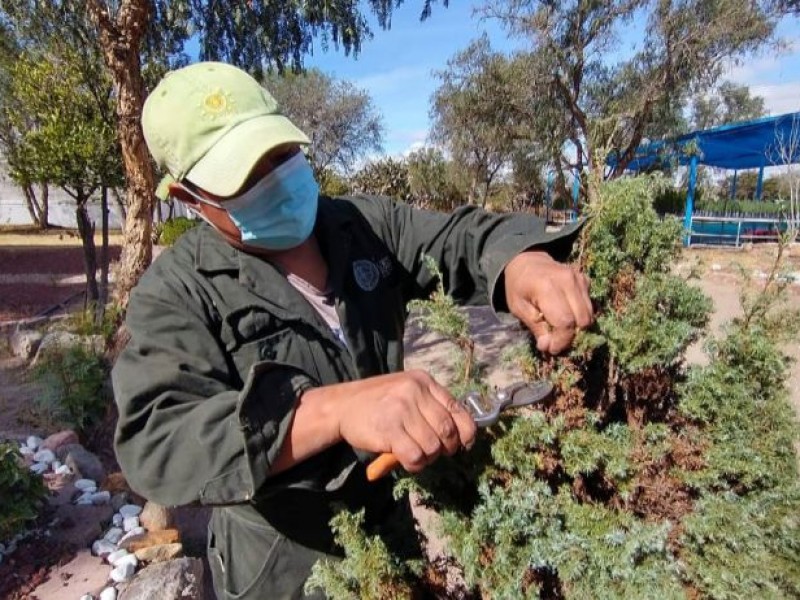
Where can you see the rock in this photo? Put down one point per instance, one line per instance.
(156, 517)
(103, 547)
(127, 558)
(25, 343)
(123, 572)
(130, 535)
(116, 555)
(117, 520)
(116, 483)
(180, 579)
(119, 500)
(61, 340)
(159, 553)
(150, 538)
(33, 442)
(101, 498)
(86, 485)
(130, 510)
(108, 593)
(59, 440)
(25, 451)
(11, 547)
(39, 468)
(84, 463)
(80, 525)
(87, 597)
(113, 535)
(62, 470)
(129, 523)
(716, 267)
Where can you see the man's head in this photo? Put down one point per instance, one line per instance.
(219, 134)
(211, 123)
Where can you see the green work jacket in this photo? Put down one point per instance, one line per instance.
(221, 345)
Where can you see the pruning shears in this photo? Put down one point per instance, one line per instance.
(484, 409)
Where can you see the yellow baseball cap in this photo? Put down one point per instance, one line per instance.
(211, 123)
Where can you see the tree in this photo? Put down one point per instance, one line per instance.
(596, 107)
(65, 137)
(432, 180)
(340, 119)
(731, 103)
(473, 115)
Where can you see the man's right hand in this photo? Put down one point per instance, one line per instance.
(407, 414)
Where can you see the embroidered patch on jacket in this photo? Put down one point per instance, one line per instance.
(367, 274)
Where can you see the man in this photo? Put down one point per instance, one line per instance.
(265, 366)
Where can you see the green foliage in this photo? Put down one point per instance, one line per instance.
(741, 207)
(433, 180)
(73, 379)
(385, 177)
(654, 329)
(22, 492)
(368, 571)
(626, 234)
(332, 184)
(84, 322)
(174, 228)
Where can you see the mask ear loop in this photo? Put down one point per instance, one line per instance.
(199, 198)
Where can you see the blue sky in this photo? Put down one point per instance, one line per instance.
(396, 67)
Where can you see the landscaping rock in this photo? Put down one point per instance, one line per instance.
(44, 456)
(116, 483)
(86, 485)
(80, 525)
(123, 572)
(155, 517)
(61, 340)
(130, 523)
(59, 440)
(119, 500)
(161, 553)
(103, 547)
(109, 593)
(114, 535)
(33, 442)
(25, 343)
(130, 510)
(115, 556)
(150, 538)
(84, 463)
(180, 579)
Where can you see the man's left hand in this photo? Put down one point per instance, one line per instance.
(550, 298)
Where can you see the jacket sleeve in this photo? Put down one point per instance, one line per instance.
(186, 433)
(471, 246)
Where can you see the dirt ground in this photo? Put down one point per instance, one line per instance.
(26, 268)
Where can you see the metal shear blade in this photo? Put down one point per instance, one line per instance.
(486, 410)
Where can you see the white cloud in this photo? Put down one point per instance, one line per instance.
(779, 98)
(393, 79)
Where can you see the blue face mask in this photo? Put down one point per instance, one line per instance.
(279, 211)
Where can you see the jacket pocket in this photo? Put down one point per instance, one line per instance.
(285, 347)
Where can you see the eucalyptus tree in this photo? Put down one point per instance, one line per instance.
(600, 104)
(729, 103)
(340, 119)
(474, 116)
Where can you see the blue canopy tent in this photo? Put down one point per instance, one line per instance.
(745, 145)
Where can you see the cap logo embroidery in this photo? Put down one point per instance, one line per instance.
(216, 104)
(367, 274)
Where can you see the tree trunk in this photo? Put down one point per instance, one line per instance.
(44, 205)
(37, 208)
(123, 212)
(120, 39)
(86, 229)
(101, 305)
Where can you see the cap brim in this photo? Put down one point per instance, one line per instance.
(226, 166)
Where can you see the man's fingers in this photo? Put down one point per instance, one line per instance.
(465, 425)
(409, 453)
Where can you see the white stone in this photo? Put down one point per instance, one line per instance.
(716, 267)
(127, 559)
(123, 572)
(103, 547)
(25, 451)
(55, 464)
(129, 523)
(87, 597)
(39, 468)
(86, 485)
(34, 441)
(44, 455)
(117, 520)
(109, 593)
(132, 533)
(63, 470)
(113, 535)
(11, 547)
(130, 510)
(103, 497)
(85, 499)
(116, 555)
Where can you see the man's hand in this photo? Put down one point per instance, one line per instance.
(550, 298)
(407, 414)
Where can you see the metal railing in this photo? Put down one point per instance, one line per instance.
(738, 230)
